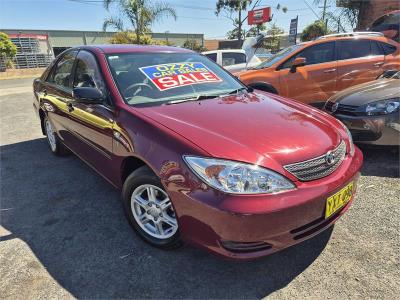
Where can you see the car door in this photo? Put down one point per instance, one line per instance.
(359, 61)
(91, 124)
(56, 92)
(314, 82)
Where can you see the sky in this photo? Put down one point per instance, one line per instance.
(193, 16)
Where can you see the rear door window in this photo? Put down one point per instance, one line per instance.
(233, 58)
(376, 49)
(61, 73)
(354, 49)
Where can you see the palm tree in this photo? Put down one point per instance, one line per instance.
(140, 13)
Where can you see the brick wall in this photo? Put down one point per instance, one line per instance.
(373, 9)
(211, 44)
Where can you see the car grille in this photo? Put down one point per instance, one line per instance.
(320, 166)
(341, 109)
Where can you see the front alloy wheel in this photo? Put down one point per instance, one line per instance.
(149, 209)
(152, 210)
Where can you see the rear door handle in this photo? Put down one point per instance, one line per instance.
(378, 64)
(330, 71)
(70, 106)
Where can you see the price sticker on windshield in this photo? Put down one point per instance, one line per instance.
(173, 75)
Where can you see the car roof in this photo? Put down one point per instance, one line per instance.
(224, 51)
(344, 38)
(356, 37)
(129, 48)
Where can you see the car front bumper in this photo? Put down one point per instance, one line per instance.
(251, 226)
(377, 130)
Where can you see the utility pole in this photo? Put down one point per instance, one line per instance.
(324, 14)
(324, 11)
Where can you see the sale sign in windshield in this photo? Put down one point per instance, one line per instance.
(173, 75)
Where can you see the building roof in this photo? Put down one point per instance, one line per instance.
(115, 48)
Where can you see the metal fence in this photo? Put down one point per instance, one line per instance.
(29, 54)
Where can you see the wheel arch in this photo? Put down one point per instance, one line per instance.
(264, 86)
(130, 164)
(42, 115)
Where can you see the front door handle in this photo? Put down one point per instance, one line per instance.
(330, 71)
(70, 106)
(378, 64)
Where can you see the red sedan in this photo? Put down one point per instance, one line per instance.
(199, 156)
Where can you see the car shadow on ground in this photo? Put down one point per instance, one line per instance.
(73, 221)
(382, 161)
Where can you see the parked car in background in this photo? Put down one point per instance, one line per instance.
(199, 156)
(370, 110)
(233, 60)
(389, 25)
(312, 72)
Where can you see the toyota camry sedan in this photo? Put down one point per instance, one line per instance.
(198, 156)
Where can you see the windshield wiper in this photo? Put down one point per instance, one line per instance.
(205, 97)
(237, 91)
(197, 98)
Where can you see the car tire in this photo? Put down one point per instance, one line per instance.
(149, 209)
(55, 145)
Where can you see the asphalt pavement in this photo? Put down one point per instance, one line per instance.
(63, 234)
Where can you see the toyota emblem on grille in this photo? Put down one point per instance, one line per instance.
(335, 107)
(330, 158)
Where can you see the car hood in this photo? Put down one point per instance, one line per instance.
(254, 127)
(368, 92)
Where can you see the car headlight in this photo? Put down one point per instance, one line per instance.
(350, 141)
(237, 178)
(350, 138)
(383, 107)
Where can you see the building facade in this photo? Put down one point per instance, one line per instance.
(63, 39)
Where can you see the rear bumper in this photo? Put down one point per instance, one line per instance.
(377, 130)
(247, 227)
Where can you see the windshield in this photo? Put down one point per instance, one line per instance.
(277, 57)
(156, 78)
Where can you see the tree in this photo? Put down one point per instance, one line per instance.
(7, 49)
(129, 37)
(232, 7)
(193, 45)
(141, 14)
(346, 16)
(272, 41)
(254, 30)
(314, 30)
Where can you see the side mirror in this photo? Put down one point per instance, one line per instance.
(88, 95)
(297, 62)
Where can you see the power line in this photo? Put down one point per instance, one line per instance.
(176, 5)
(309, 6)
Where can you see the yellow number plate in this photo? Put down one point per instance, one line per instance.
(338, 200)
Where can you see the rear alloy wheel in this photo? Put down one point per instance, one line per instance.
(149, 209)
(56, 146)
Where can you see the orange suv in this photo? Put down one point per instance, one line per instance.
(311, 72)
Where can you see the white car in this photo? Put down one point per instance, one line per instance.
(233, 60)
